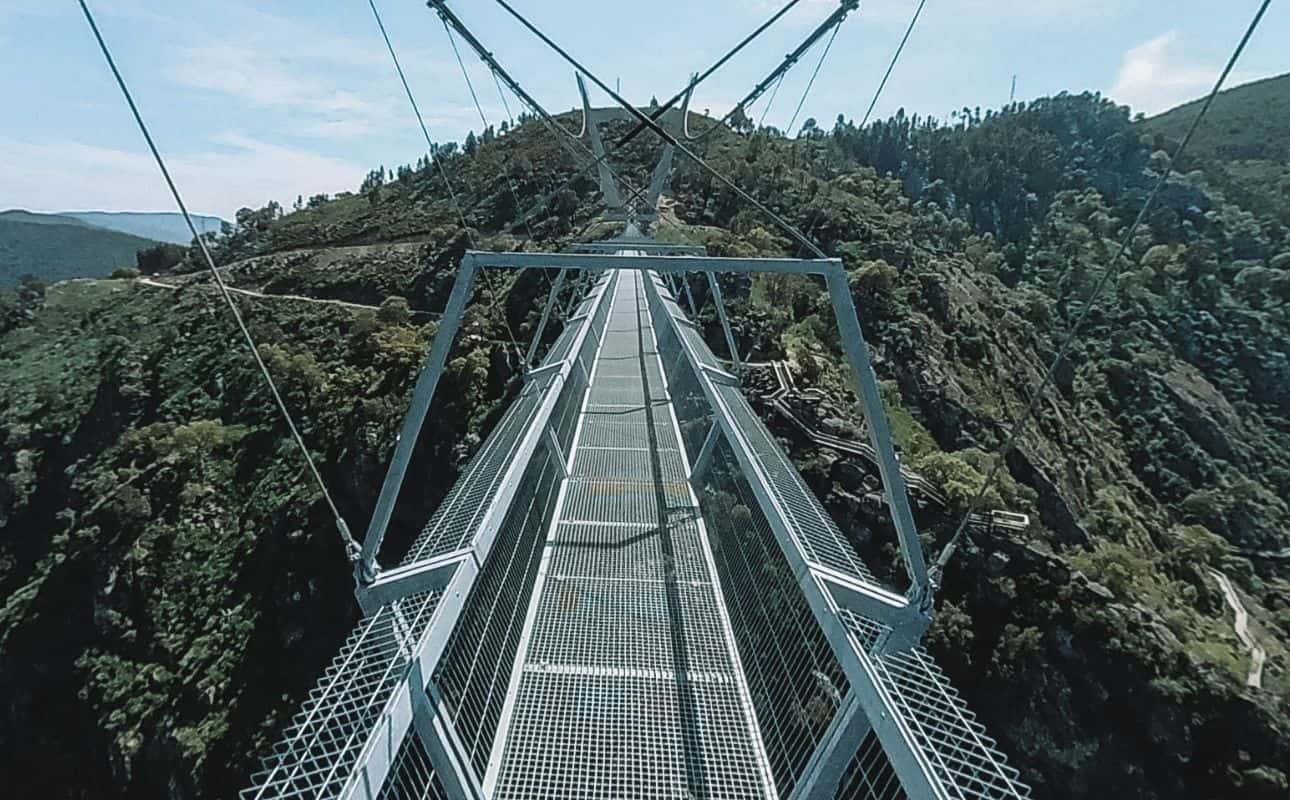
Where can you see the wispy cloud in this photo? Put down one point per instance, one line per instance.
(1157, 75)
(238, 170)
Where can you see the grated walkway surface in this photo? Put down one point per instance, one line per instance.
(629, 684)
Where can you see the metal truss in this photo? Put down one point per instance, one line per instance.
(630, 591)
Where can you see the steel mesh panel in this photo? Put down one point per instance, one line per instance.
(473, 674)
(869, 775)
(457, 518)
(626, 737)
(795, 681)
(321, 745)
(965, 760)
(607, 430)
(622, 502)
(809, 523)
(411, 775)
(629, 686)
(628, 552)
(634, 626)
(634, 464)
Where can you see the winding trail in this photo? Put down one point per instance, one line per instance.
(1242, 627)
(298, 297)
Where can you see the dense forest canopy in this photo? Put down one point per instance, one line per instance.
(173, 586)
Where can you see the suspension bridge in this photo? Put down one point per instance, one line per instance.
(630, 592)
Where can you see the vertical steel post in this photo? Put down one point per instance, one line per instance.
(853, 343)
(725, 321)
(546, 315)
(422, 394)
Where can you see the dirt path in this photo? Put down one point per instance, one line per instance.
(1242, 627)
(297, 297)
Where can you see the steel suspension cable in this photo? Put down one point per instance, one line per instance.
(347, 539)
(878, 92)
(895, 57)
(787, 226)
(700, 78)
(434, 155)
(828, 46)
(948, 552)
(430, 145)
(483, 118)
(770, 101)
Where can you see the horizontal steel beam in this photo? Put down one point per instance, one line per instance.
(645, 245)
(907, 622)
(656, 263)
(400, 582)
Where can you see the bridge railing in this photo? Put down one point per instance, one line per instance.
(353, 736)
(823, 677)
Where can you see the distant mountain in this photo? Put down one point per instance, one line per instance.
(163, 226)
(1251, 121)
(55, 248)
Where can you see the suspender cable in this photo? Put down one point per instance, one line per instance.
(1107, 274)
(771, 100)
(483, 118)
(878, 92)
(347, 539)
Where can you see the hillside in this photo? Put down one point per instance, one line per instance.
(173, 586)
(161, 226)
(1252, 121)
(55, 248)
(1246, 155)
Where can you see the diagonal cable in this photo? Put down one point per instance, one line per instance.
(896, 57)
(658, 130)
(828, 46)
(347, 538)
(948, 552)
(430, 145)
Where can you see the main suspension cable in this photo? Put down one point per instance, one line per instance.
(347, 539)
(948, 552)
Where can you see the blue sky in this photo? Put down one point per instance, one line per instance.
(259, 101)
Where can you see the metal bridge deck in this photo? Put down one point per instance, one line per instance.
(629, 683)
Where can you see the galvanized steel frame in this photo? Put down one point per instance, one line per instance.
(854, 345)
(454, 574)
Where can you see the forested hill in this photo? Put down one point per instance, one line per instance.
(51, 247)
(1247, 153)
(1253, 123)
(173, 585)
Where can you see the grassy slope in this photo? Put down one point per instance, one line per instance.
(1248, 121)
(55, 248)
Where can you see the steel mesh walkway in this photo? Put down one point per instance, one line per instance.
(629, 683)
(631, 593)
